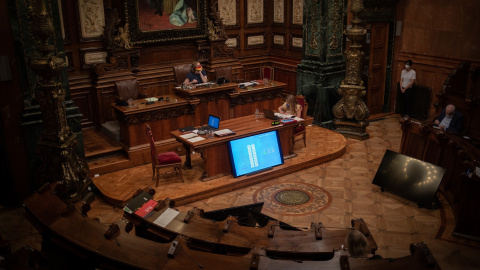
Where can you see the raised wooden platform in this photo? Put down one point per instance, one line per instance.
(323, 145)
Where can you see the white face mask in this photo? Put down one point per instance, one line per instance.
(407, 66)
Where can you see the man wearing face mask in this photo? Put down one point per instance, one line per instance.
(407, 79)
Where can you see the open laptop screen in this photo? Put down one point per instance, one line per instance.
(213, 121)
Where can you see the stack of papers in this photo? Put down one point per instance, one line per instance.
(151, 99)
(188, 135)
(166, 217)
(196, 139)
(224, 132)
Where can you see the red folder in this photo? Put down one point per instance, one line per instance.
(146, 209)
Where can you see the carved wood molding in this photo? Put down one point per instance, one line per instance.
(166, 113)
(255, 97)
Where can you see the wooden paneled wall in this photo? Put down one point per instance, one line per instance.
(93, 94)
(437, 36)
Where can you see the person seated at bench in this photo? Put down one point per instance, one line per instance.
(449, 119)
(196, 75)
(357, 247)
(291, 106)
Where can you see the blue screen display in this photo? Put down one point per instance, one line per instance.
(255, 153)
(213, 121)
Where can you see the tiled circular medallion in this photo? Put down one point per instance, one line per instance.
(293, 198)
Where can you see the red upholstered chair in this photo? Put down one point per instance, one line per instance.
(267, 72)
(163, 160)
(300, 132)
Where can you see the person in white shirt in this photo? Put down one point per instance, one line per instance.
(407, 79)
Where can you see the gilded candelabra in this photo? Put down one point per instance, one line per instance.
(61, 163)
(350, 112)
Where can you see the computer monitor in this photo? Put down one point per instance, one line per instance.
(255, 153)
(410, 178)
(213, 121)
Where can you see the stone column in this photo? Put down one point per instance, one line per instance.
(323, 66)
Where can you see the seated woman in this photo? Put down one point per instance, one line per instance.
(356, 243)
(196, 75)
(291, 106)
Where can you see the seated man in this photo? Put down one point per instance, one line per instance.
(196, 75)
(450, 120)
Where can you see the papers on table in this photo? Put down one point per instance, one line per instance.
(151, 99)
(166, 217)
(288, 116)
(224, 132)
(192, 137)
(188, 135)
(245, 84)
(196, 139)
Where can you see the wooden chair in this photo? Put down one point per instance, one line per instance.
(301, 132)
(227, 73)
(127, 89)
(180, 72)
(163, 160)
(267, 72)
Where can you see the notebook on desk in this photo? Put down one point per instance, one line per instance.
(213, 123)
(270, 114)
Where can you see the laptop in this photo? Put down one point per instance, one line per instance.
(213, 123)
(221, 80)
(270, 114)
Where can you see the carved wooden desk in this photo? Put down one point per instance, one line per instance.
(229, 101)
(214, 151)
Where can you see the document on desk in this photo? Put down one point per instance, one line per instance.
(196, 139)
(166, 217)
(224, 132)
(189, 135)
(151, 99)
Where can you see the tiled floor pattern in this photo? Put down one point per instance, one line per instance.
(393, 221)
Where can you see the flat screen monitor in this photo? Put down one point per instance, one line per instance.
(213, 121)
(255, 153)
(410, 178)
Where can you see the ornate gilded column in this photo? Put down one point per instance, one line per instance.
(323, 65)
(350, 112)
(61, 163)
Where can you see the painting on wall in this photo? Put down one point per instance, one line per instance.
(152, 21)
(233, 42)
(278, 40)
(296, 43)
(229, 12)
(92, 19)
(255, 13)
(279, 12)
(255, 41)
(91, 56)
(297, 12)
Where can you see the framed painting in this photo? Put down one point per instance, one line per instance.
(296, 42)
(233, 41)
(91, 56)
(152, 21)
(256, 14)
(278, 40)
(278, 13)
(297, 13)
(230, 13)
(255, 41)
(92, 19)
